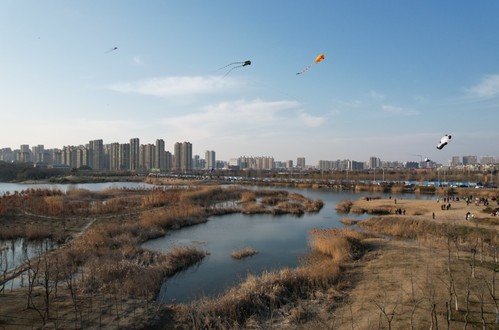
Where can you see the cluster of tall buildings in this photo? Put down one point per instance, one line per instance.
(96, 155)
(136, 157)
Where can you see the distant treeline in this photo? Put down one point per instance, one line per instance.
(25, 171)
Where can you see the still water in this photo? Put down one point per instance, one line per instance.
(279, 240)
(13, 187)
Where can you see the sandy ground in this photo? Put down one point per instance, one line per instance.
(424, 209)
(398, 283)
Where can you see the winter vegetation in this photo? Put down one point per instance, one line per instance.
(99, 275)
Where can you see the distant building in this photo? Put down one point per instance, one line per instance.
(6, 155)
(134, 154)
(159, 155)
(374, 162)
(210, 160)
(485, 160)
(412, 165)
(456, 160)
(470, 160)
(96, 154)
(300, 162)
(183, 156)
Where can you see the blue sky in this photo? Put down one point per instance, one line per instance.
(397, 76)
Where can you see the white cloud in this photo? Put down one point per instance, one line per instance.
(175, 86)
(377, 96)
(240, 119)
(487, 88)
(398, 110)
(137, 60)
(311, 121)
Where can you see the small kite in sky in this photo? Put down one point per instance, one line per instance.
(111, 50)
(317, 60)
(235, 65)
(443, 141)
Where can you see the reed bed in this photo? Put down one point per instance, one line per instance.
(252, 301)
(426, 230)
(174, 217)
(248, 196)
(339, 244)
(344, 206)
(349, 222)
(253, 208)
(243, 253)
(29, 232)
(106, 258)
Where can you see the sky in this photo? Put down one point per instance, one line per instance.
(396, 77)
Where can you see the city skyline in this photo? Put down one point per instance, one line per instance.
(134, 155)
(395, 78)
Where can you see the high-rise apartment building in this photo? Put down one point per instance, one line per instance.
(6, 155)
(124, 157)
(96, 154)
(114, 152)
(210, 160)
(134, 154)
(79, 156)
(374, 162)
(186, 156)
(159, 155)
(182, 157)
(146, 155)
(470, 160)
(24, 154)
(456, 160)
(486, 160)
(300, 162)
(39, 154)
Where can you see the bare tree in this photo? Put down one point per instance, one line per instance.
(491, 288)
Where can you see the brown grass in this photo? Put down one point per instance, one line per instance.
(349, 222)
(248, 196)
(243, 253)
(344, 206)
(257, 296)
(105, 261)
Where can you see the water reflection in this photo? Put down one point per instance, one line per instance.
(15, 253)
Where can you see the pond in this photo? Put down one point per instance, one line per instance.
(279, 240)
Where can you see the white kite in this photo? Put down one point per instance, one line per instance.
(443, 141)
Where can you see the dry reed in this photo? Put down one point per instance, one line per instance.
(243, 253)
(257, 296)
(344, 206)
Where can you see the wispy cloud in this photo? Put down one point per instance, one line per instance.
(137, 60)
(238, 118)
(311, 121)
(377, 96)
(487, 88)
(399, 110)
(174, 86)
